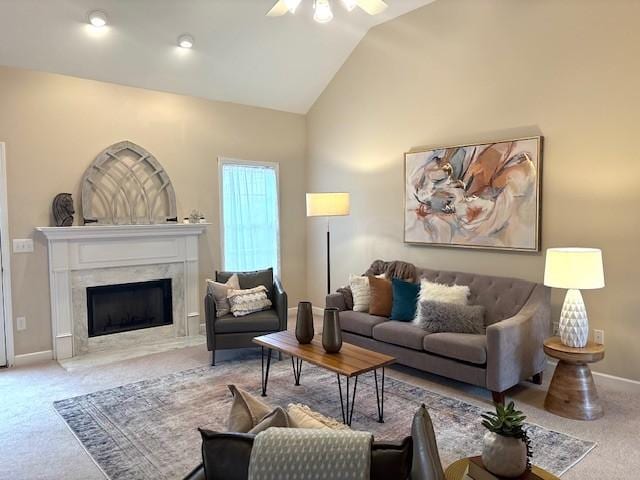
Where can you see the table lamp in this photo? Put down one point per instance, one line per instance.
(574, 269)
(327, 205)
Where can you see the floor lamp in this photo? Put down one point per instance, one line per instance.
(328, 205)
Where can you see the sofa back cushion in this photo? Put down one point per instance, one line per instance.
(502, 297)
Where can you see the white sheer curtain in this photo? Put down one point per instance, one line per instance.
(250, 216)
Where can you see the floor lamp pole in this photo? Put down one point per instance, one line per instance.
(328, 259)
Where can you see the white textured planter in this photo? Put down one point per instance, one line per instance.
(504, 456)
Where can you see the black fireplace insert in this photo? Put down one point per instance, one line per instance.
(129, 306)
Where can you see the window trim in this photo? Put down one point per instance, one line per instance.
(222, 161)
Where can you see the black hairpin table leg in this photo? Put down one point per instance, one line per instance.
(379, 395)
(265, 373)
(296, 363)
(347, 410)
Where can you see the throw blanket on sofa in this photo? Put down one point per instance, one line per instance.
(300, 454)
(394, 269)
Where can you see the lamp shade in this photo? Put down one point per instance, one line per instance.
(327, 204)
(579, 268)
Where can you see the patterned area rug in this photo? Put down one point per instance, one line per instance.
(148, 430)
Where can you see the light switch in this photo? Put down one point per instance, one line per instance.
(22, 245)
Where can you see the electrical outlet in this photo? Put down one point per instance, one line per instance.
(556, 328)
(22, 245)
(598, 337)
(21, 323)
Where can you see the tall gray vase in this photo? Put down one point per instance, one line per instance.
(331, 331)
(304, 323)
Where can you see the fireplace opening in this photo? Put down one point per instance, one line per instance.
(129, 306)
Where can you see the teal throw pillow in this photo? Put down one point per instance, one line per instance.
(405, 300)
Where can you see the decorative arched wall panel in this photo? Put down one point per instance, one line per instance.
(126, 185)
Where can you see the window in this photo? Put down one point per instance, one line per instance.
(250, 217)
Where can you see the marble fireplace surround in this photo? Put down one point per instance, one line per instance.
(86, 256)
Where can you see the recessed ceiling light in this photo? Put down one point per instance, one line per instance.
(98, 18)
(185, 41)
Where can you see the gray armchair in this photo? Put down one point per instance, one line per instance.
(228, 332)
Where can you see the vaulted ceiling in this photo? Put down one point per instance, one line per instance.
(239, 54)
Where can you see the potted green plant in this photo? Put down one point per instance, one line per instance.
(506, 451)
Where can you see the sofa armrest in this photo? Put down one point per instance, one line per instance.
(210, 320)
(514, 345)
(280, 303)
(335, 300)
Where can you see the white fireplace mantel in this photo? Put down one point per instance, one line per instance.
(72, 249)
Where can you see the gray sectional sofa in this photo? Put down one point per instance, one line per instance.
(518, 321)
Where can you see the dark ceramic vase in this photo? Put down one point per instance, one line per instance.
(304, 323)
(331, 331)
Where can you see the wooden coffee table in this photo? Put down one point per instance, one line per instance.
(350, 362)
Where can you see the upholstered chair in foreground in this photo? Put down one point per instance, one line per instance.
(227, 455)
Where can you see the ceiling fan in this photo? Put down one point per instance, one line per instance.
(322, 8)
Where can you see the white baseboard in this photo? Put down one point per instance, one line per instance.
(31, 358)
(604, 375)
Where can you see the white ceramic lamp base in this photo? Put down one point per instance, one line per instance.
(574, 324)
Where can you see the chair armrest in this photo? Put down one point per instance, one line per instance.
(280, 303)
(514, 345)
(210, 320)
(335, 300)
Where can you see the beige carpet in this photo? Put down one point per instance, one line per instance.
(36, 443)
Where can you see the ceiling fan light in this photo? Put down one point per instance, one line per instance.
(350, 4)
(292, 5)
(323, 13)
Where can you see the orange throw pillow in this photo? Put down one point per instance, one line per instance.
(381, 299)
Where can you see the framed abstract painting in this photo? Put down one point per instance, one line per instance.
(484, 195)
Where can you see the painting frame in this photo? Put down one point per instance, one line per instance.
(536, 226)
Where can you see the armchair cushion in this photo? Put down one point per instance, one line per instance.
(263, 321)
(251, 279)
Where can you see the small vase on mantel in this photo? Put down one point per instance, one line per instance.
(304, 323)
(331, 331)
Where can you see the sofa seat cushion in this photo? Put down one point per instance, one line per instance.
(467, 347)
(264, 321)
(404, 334)
(359, 322)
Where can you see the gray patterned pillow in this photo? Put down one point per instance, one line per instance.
(437, 317)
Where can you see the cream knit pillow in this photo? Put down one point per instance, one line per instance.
(361, 292)
(244, 302)
(437, 292)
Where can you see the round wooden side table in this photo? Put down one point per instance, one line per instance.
(457, 471)
(572, 392)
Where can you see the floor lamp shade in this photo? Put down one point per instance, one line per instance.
(333, 204)
(574, 269)
(327, 204)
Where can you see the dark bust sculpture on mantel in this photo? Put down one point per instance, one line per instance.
(63, 210)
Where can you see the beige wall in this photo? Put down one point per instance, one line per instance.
(461, 71)
(54, 126)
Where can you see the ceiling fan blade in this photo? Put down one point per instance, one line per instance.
(279, 9)
(372, 7)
